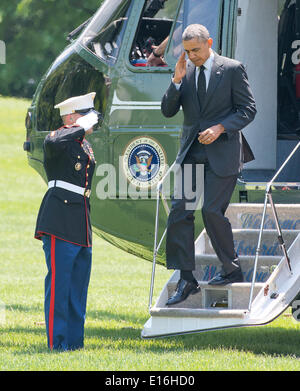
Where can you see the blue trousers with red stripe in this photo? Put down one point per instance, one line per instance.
(66, 287)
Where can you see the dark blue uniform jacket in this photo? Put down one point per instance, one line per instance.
(69, 157)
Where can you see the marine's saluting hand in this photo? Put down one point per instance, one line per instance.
(88, 121)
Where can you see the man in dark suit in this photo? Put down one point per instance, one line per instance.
(63, 222)
(217, 103)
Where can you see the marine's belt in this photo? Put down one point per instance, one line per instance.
(69, 186)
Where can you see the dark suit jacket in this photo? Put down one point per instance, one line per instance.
(68, 157)
(228, 101)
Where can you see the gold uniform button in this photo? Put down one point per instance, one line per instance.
(66, 201)
(88, 166)
(78, 166)
(78, 157)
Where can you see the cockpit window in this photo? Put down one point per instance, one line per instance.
(104, 34)
(152, 33)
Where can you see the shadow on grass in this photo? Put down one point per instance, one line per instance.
(24, 340)
(125, 333)
(258, 340)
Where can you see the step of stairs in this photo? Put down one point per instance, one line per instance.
(232, 296)
(208, 265)
(248, 216)
(197, 313)
(245, 241)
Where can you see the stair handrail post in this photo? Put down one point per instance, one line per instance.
(279, 232)
(280, 238)
(159, 193)
(258, 247)
(268, 196)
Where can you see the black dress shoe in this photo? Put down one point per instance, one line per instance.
(183, 290)
(235, 276)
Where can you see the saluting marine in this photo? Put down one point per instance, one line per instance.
(63, 222)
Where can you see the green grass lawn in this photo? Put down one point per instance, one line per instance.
(117, 300)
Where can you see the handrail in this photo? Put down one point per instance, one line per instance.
(268, 197)
(156, 247)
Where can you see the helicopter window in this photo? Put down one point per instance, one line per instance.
(152, 33)
(197, 12)
(104, 34)
(72, 76)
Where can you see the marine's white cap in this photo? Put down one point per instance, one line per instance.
(81, 102)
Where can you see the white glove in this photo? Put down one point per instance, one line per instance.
(87, 121)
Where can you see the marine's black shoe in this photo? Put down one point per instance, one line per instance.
(183, 290)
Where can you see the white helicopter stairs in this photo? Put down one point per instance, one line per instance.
(228, 306)
(267, 240)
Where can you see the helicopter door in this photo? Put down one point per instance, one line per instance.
(256, 48)
(289, 70)
(196, 12)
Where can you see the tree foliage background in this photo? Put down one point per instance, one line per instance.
(34, 32)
